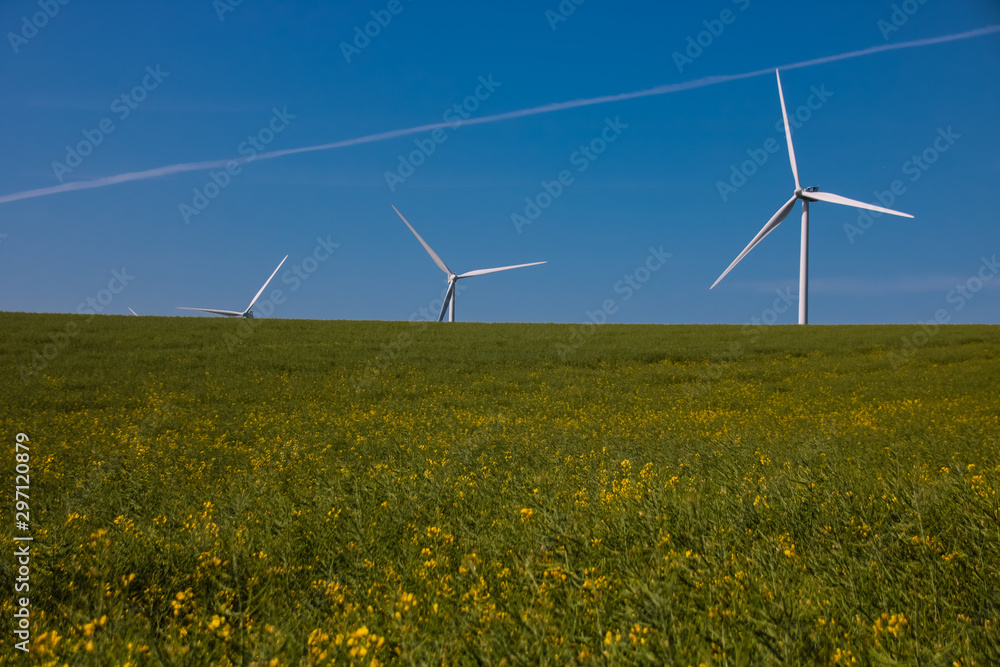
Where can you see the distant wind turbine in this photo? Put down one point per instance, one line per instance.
(449, 298)
(233, 313)
(133, 312)
(807, 195)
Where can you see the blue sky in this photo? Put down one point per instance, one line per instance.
(201, 78)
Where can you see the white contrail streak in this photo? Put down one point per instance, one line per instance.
(510, 115)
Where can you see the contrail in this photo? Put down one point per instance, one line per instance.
(510, 115)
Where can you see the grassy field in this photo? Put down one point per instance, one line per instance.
(299, 493)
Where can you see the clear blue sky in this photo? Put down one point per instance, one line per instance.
(655, 185)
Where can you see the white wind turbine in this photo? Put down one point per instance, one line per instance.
(807, 195)
(235, 313)
(449, 297)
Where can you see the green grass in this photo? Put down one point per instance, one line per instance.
(297, 492)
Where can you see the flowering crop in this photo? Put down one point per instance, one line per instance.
(480, 499)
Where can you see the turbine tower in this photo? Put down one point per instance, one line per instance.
(449, 297)
(807, 196)
(235, 313)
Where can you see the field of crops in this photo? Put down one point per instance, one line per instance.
(299, 493)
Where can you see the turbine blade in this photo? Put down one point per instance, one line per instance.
(788, 133)
(133, 312)
(261, 291)
(483, 272)
(447, 298)
(837, 199)
(767, 229)
(227, 313)
(430, 251)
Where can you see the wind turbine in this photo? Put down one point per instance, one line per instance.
(133, 312)
(449, 297)
(234, 313)
(807, 195)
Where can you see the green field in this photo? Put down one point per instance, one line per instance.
(303, 492)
